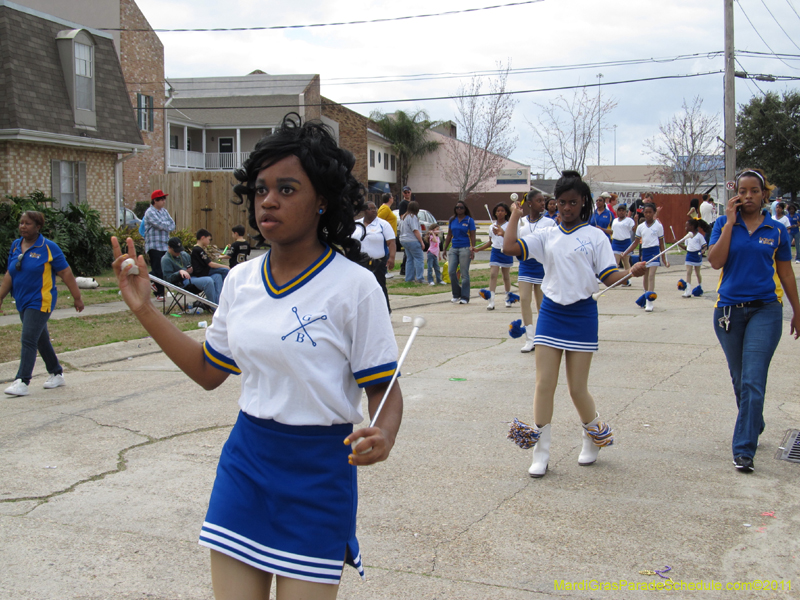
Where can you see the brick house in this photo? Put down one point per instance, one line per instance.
(65, 117)
(141, 56)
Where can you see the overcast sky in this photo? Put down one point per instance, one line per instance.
(541, 34)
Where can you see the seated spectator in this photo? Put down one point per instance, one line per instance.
(176, 265)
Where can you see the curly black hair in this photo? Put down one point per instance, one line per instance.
(571, 180)
(328, 167)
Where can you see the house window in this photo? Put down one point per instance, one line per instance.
(68, 182)
(144, 112)
(372, 158)
(394, 164)
(83, 77)
(173, 142)
(386, 161)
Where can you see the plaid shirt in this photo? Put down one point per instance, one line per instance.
(157, 225)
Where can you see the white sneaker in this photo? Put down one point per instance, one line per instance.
(648, 306)
(18, 388)
(443, 283)
(462, 301)
(54, 381)
(454, 300)
(431, 283)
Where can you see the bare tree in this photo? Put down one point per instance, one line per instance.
(567, 128)
(485, 138)
(686, 149)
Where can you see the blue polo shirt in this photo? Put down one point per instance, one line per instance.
(460, 230)
(34, 284)
(749, 273)
(602, 220)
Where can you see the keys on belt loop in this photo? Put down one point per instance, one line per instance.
(725, 320)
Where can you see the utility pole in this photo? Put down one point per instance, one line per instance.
(599, 112)
(730, 100)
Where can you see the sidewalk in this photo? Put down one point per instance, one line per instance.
(104, 483)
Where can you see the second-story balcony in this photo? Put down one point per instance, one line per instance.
(209, 161)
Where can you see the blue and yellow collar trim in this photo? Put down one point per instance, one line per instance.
(574, 229)
(303, 278)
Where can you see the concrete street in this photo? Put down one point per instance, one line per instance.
(104, 482)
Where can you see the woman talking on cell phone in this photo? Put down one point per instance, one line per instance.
(753, 250)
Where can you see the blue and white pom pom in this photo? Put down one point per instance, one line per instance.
(681, 284)
(512, 297)
(522, 434)
(485, 294)
(515, 329)
(642, 300)
(698, 291)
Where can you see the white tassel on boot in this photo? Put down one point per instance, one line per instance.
(541, 452)
(596, 434)
(530, 332)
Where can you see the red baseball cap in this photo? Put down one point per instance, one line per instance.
(157, 195)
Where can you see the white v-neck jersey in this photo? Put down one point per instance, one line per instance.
(306, 348)
(650, 236)
(573, 260)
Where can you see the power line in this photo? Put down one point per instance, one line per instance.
(794, 10)
(762, 39)
(456, 96)
(364, 22)
(779, 24)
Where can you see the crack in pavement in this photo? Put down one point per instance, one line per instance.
(502, 341)
(122, 465)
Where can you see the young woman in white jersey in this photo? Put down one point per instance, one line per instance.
(694, 259)
(621, 235)
(574, 256)
(531, 271)
(307, 329)
(498, 262)
(650, 235)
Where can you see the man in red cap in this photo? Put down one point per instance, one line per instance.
(157, 227)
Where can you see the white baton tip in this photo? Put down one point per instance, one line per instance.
(134, 269)
(419, 322)
(514, 197)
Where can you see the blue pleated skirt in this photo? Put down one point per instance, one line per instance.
(693, 259)
(649, 253)
(619, 246)
(568, 327)
(285, 500)
(531, 270)
(498, 259)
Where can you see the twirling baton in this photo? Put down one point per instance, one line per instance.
(596, 295)
(418, 323)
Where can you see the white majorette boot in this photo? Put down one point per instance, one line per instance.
(596, 435)
(687, 293)
(529, 335)
(541, 452)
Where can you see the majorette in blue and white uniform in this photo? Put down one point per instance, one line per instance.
(285, 497)
(651, 236)
(531, 270)
(497, 258)
(573, 261)
(693, 248)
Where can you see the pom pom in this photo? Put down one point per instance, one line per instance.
(641, 300)
(650, 296)
(515, 329)
(681, 284)
(485, 294)
(522, 434)
(698, 291)
(511, 297)
(601, 434)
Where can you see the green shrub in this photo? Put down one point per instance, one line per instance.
(140, 208)
(123, 233)
(76, 229)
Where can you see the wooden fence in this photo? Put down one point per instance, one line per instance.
(202, 199)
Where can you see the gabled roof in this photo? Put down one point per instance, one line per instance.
(33, 91)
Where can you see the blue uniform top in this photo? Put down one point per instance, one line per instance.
(34, 284)
(602, 220)
(460, 230)
(749, 273)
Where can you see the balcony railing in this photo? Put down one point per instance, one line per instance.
(210, 161)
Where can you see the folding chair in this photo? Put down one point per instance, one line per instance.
(180, 297)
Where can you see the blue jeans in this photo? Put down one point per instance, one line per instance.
(415, 260)
(796, 238)
(207, 284)
(433, 268)
(35, 336)
(459, 257)
(218, 274)
(749, 344)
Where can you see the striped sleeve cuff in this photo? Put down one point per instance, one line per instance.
(607, 272)
(220, 361)
(376, 375)
(524, 247)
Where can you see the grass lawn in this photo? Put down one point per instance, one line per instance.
(84, 332)
(477, 279)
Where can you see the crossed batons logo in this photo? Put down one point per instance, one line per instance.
(301, 331)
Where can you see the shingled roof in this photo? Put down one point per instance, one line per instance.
(33, 92)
